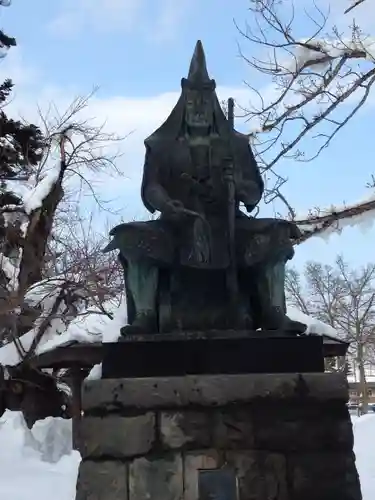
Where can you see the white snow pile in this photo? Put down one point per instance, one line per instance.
(37, 463)
(90, 326)
(49, 439)
(27, 471)
(364, 439)
(33, 199)
(95, 372)
(319, 52)
(314, 326)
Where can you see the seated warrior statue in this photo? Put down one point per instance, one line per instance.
(197, 171)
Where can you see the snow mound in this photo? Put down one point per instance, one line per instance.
(364, 439)
(95, 372)
(48, 440)
(25, 469)
(53, 437)
(16, 438)
(314, 326)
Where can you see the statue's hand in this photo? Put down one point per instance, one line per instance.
(174, 208)
(175, 205)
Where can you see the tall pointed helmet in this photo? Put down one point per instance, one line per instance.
(198, 77)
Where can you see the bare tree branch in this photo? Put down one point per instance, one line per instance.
(353, 6)
(334, 220)
(52, 240)
(313, 84)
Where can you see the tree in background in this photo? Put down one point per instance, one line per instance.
(316, 79)
(344, 298)
(21, 150)
(56, 273)
(51, 267)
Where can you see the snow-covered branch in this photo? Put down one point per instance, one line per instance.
(311, 79)
(353, 5)
(334, 219)
(312, 85)
(39, 246)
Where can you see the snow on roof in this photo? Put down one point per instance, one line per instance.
(314, 326)
(93, 326)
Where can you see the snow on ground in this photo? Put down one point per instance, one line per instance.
(39, 463)
(354, 378)
(364, 439)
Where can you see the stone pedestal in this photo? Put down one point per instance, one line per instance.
(285, 436)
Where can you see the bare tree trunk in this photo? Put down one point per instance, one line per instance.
(362, 381)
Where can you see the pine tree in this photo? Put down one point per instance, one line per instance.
(21, 149)
(20, 144)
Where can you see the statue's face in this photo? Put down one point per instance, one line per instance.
(199, 111)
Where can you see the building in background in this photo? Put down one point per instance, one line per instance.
(354, 385)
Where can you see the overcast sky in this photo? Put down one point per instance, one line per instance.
(136, 51)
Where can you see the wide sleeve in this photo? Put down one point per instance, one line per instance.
(253, 185)
(154, 196)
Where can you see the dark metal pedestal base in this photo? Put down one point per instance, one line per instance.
(194, 354)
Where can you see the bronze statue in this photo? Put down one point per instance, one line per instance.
(203, 264)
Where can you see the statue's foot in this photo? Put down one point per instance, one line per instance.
(143, 324)
(294, 326)
(276, 319)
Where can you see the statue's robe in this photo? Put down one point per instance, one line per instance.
(168, 170)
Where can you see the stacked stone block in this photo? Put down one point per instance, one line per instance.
(287, 437)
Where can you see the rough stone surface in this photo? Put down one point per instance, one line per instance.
(191, 428)
(195, 461)
(324, 476)
(156, 479)
(310, 428)
(210, 390)
(102, 481)
(116, 436)
(288, 437)
(261, 475)
(233, 428)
